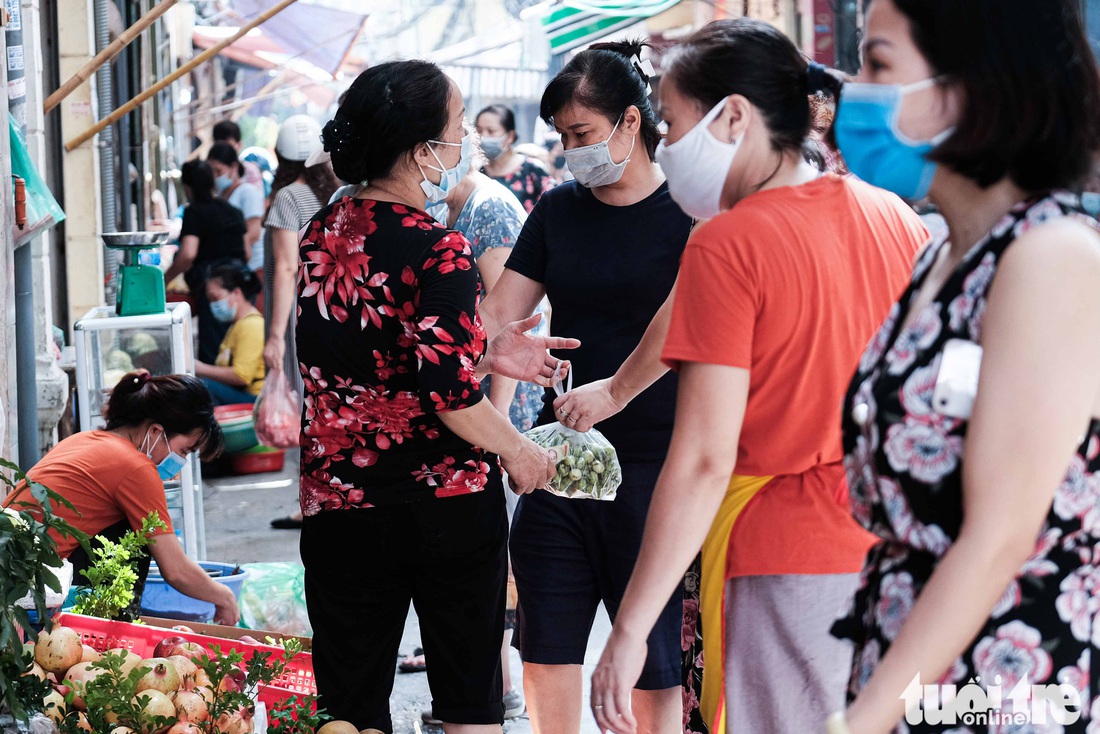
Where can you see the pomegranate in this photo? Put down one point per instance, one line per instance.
(59, 650)
(201, 680)
(365, 731)
(36, 671)
(206, 693)
(162, 676)
(184, 666)
(338, 727)
(78, 676)
(233, 682)
(184, 727)
(53, 705)
(89, 654)
(239, 722)
(191, 706)
(155, 704)
(83, 724)
(130, 660)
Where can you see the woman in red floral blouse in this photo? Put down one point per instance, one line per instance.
(400, 479)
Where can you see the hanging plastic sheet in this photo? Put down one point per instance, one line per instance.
(43, 211)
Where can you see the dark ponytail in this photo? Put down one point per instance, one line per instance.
(605, 78)
(199, 177)
(179, 403)
(234, 277)
(757, 61)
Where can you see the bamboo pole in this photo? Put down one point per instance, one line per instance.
(185, 69)
(108, 53)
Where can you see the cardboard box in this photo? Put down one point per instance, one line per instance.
(225, 632)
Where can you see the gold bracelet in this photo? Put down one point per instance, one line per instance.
(837, 724)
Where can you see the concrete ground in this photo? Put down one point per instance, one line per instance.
(237, 512)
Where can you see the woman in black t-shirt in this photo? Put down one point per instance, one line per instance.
(212, 234)
(605, 250)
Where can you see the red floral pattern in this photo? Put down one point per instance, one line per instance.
(388, 336)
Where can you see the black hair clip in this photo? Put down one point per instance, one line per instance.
(815, 77)
(644, 69)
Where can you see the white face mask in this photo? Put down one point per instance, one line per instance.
(592, 165)
(436, 193)
(696, 167)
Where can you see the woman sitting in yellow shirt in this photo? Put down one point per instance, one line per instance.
(237, 376)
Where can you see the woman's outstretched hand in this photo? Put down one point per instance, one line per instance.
(522, 356)
(585, 406)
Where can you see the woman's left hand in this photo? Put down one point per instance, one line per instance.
(615, 677)
(583, 407)
(515, 353)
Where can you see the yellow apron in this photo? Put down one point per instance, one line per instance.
(712, 593)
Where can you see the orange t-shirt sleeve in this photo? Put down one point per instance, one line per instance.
(142, 492)
(714, 314)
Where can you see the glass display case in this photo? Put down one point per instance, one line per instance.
(109, 346)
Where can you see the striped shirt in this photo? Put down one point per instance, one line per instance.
(292, 208)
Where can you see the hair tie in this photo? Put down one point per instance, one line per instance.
(816, 77)
(644, 69)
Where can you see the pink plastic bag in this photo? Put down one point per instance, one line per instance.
(276, 415)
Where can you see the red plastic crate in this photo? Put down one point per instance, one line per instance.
(142, 639)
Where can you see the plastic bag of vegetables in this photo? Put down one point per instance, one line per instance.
(588, 467)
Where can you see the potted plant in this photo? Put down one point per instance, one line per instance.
(27, 553)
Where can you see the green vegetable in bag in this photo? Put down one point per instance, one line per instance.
(587, 465)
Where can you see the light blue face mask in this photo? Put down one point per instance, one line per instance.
(875, 149)
(436, 193)
(222, 311)
(170, 465)
(221, 183)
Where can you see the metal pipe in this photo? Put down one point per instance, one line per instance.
(108, 191)
(26, 377)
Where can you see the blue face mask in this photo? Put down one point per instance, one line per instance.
(222, 311)
(436, 193)
(170, 465)
(872, 145)
(492, 147)
(221, 183)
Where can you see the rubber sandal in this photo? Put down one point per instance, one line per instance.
(413, 667)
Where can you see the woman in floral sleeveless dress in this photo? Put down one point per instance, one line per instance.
(972, 443)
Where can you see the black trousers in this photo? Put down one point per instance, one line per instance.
(363, 567)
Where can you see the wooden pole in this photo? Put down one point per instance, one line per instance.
(107, 54)
(185, 69)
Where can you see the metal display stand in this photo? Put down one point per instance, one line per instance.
(109, 346)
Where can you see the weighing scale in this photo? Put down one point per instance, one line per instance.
(140, 287)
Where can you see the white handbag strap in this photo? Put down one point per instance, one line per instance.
(557, 385)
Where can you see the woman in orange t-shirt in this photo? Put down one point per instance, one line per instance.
(115, 477)
(779, 292)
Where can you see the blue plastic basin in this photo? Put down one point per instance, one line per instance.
(161, 600)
